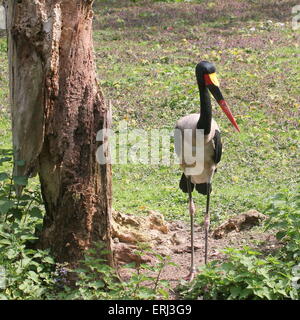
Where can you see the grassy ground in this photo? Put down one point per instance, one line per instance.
(146, 54)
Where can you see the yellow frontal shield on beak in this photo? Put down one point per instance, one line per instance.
(211, 79)
(214, 79)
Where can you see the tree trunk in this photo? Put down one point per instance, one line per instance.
(57, 110)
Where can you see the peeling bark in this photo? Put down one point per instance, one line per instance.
(57, 110)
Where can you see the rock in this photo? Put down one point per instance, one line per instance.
(125, 219)
(176, 225)
(176, 239)
(128, 230)
(157, 222)
(164, 251)
(130, 236)
(180, 250)
(243, 221)
(125, 253)
(159, 240)
(189, 249)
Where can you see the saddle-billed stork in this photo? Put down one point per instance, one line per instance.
(211, 147)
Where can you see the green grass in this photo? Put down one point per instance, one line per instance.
(145, 56)
(147, 70)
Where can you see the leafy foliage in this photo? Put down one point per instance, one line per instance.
(12, 207)
(27, 273)
(248, 274)
(284, 215)
(97, 280)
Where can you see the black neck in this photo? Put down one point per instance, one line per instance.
(204, 121)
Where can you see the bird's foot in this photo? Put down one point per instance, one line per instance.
(190, 276)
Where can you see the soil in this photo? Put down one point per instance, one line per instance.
(173, 239)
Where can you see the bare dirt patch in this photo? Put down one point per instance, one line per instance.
(173, 239)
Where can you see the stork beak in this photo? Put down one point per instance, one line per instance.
(226, 110)
(213, 85)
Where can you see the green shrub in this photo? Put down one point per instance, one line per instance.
(249, 274)
(28, 274)
(284, 215)
(246, 275)
(25, 273)
(99, 281)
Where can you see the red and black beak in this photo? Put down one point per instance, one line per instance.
(212, 84)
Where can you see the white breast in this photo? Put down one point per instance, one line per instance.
(207, 162)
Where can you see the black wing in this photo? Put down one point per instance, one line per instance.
(218, 146)
(183, 184)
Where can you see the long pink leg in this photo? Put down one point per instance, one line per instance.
(192, 211)
(207, 222)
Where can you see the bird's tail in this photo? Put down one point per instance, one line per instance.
(201, 187)
(183, 184)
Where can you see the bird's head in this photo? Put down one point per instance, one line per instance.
(206, 76)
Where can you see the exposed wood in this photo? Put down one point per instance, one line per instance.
(57, 110)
